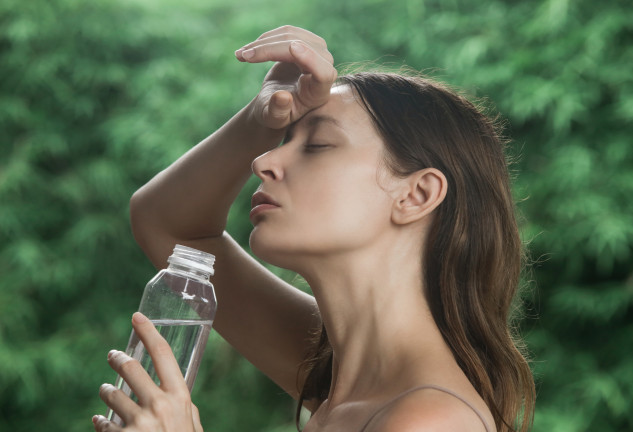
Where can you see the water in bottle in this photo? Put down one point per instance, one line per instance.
(181, 303)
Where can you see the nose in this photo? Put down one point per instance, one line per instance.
(267, 166)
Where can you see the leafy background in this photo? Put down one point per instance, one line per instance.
(98, 96)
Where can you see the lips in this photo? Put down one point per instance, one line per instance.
(260, 198)
(261, 203)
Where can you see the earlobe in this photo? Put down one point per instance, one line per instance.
(422, 192)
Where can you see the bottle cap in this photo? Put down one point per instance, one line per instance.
(193, 258)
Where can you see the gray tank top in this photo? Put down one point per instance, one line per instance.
(434, 387)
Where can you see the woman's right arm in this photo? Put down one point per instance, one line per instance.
(264, 318)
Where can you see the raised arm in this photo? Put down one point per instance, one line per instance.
(263, 317)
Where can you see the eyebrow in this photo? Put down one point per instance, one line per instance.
(312, 122)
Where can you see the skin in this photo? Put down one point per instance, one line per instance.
(163, 408)
(353, 230)
(328, 163)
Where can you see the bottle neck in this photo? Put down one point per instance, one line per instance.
(191, 263)
(191, 273)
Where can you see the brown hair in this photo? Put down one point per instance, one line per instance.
(473, 255)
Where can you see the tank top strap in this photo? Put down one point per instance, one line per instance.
(424, 387)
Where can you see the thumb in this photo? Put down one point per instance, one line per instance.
(278, 111)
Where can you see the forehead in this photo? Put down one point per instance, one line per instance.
(342, 109)
(342, 102)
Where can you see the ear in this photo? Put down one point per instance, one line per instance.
(419, 195)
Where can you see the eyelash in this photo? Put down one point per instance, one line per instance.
(310, 148)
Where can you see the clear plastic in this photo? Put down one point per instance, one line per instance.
(181, 303)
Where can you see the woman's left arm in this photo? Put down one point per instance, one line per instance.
(164, 408)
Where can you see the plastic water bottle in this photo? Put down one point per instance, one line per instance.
(181, 303)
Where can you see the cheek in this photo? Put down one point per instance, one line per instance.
(331, 210)
(348, 211)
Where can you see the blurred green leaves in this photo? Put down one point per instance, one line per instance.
(97, 97)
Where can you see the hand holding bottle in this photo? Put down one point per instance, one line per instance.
(299, 82)
(163, 408)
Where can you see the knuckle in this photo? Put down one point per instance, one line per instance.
(163, 348)
(128, 366)
(321, 41)
(161, 406)
(182, 395)
(108, 426)
(145, 422)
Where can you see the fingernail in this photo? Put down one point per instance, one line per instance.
(297, 47)
(111, 353)
(139, 318)
(249, 53)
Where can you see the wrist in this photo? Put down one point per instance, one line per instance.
(252, 131)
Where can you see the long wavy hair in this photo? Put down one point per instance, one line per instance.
(474, 255)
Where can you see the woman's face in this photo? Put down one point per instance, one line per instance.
(320, 191)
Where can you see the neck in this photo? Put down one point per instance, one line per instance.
(377, 318)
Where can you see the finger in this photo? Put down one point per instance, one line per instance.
(263, 52)
(276, 51)
(317, 79)
(278, 45)
(322, 71)
(279, 109)
(165, 363)
(133, 374)
(313, 40)
(102, 424)
(297, 32)
(317, 43)
(239, 54)
(119, 402)
(297, 52)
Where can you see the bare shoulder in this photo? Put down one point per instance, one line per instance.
(427, 410)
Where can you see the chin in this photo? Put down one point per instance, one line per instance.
(266, 248)
(271, 249)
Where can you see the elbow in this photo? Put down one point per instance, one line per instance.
(139, 221)
(146, 230)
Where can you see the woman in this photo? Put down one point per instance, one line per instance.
(390, 196)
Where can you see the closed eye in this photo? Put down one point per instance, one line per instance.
(311, 148)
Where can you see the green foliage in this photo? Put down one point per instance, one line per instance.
(99, 96)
